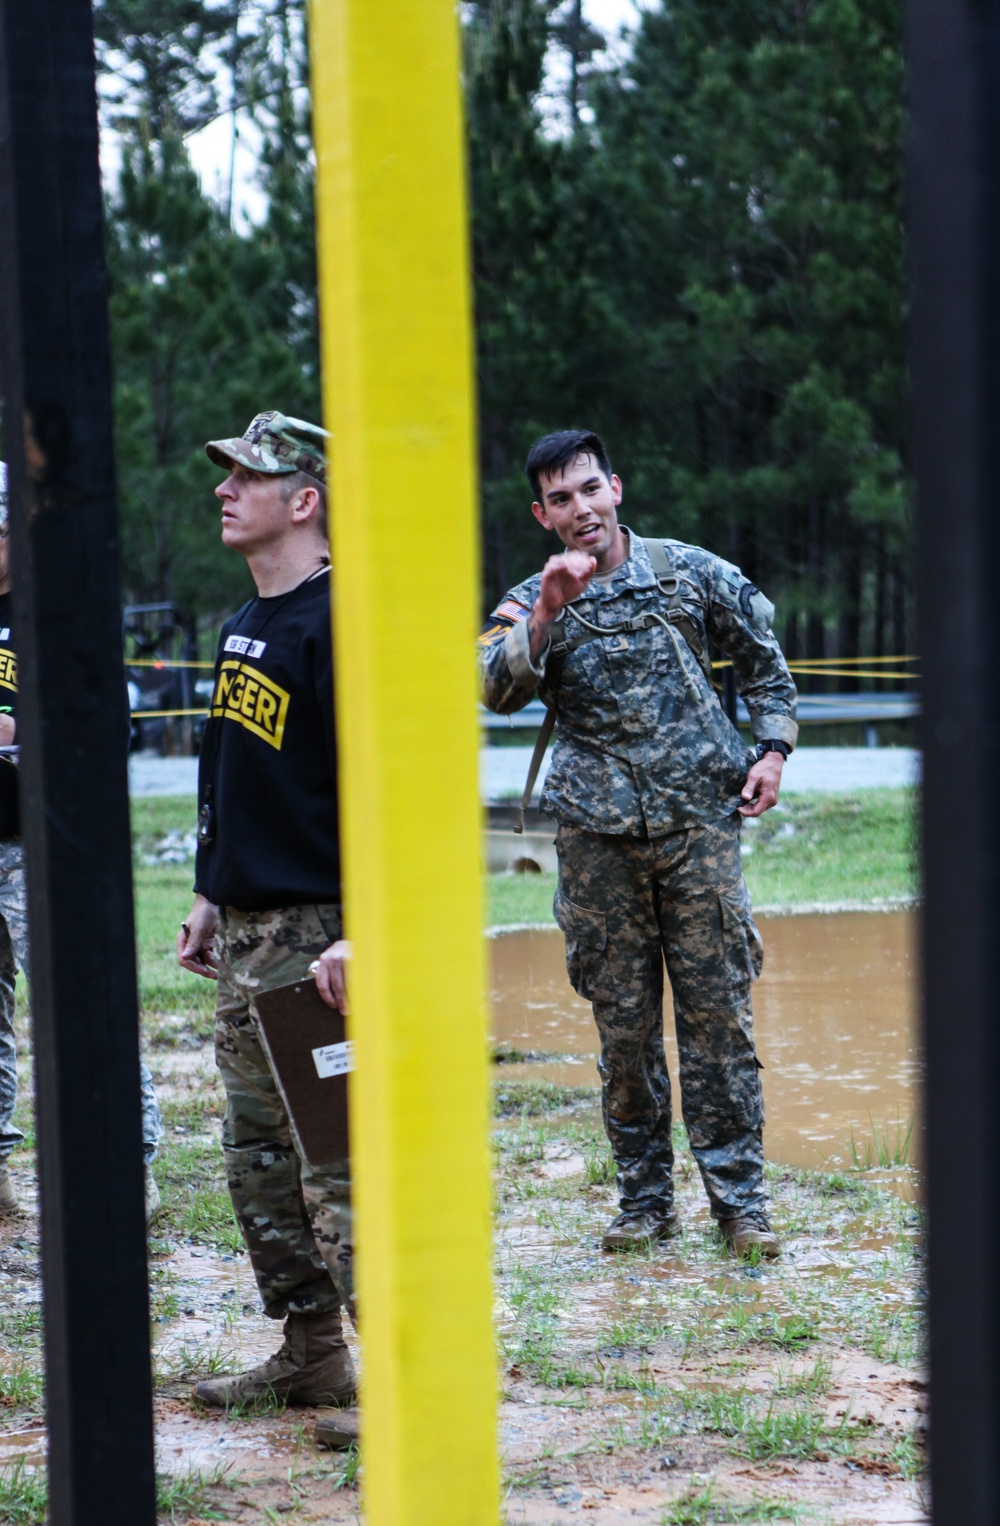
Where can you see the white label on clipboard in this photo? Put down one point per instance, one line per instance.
(333, 1059)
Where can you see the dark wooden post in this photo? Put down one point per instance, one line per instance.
(955, 251)
(56, 381)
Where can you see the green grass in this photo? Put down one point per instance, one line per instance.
(21, 1385)
(20, 1328)
(163, 897)
(599, 1167)
(699, 1505)
(196, 1202)
(529, 1098)
(813, 848)
(346, 1476)
(183, 1495)
(23, 1494)
(519, 898)
(884, 1151)
(857, 847)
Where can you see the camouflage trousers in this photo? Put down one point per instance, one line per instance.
(14, 954)
(626, 904)
(295, 1218)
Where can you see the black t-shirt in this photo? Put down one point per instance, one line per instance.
(10, 825)
(268, 767)
(8, 657)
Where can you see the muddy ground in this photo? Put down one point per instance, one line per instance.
(676, 1387)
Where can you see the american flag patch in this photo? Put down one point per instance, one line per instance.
(511, 610)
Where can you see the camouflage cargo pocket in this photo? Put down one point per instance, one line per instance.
(586, 933)
(743, 947)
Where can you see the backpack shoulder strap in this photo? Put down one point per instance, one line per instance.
(544, 736)
(657, 553)
(669, 584)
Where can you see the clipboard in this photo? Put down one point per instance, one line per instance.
(310, 1056)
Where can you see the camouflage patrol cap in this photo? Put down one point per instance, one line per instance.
(276, 445)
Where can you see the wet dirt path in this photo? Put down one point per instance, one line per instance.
(674, 1385)
(834, 1015)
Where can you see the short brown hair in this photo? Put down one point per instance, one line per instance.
(294, 482)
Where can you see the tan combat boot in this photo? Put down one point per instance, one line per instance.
(638, 1229)
(311, 1366)
(750, 1236)
(8, 1197)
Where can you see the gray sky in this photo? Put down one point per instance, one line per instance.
(212, 148)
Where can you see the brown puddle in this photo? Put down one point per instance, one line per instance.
(835, 1023)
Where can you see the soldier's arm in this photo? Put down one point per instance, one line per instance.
(514, 644)
(738, 618)
(508, 673)
(196, 938)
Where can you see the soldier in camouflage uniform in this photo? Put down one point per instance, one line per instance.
(267, 910)
(14, 951)
(648, 783)
(302, 1260)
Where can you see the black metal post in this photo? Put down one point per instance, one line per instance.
(55, 370)
(955, 250)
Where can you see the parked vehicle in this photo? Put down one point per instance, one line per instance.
(155, 636)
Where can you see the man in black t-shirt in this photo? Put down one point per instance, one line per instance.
(267, 907)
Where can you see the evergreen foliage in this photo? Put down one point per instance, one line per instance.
(731, 316)
(209, 324)
(701, 256)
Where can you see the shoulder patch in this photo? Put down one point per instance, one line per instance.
(491, 634)
(511, 610)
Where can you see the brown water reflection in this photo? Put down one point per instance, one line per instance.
(835, 1024)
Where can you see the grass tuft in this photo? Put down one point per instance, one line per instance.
(532, 1098)
(181, 1495)
(883, 1152)
(699, 1505)
(599, 1167)
(23, 1494)
(347, 1477)
(21, 1385)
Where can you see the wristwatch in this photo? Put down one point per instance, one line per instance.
(772, 746)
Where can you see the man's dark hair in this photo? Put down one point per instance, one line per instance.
(554, 452)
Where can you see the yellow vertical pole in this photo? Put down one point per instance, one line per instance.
(398, 396)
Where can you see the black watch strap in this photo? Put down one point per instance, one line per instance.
(772, 746)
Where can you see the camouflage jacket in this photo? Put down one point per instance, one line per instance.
(642, 747)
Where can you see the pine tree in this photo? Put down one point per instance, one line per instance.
(758, 149)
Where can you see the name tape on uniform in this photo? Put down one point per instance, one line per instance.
(334, 1059)
(245, 646)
